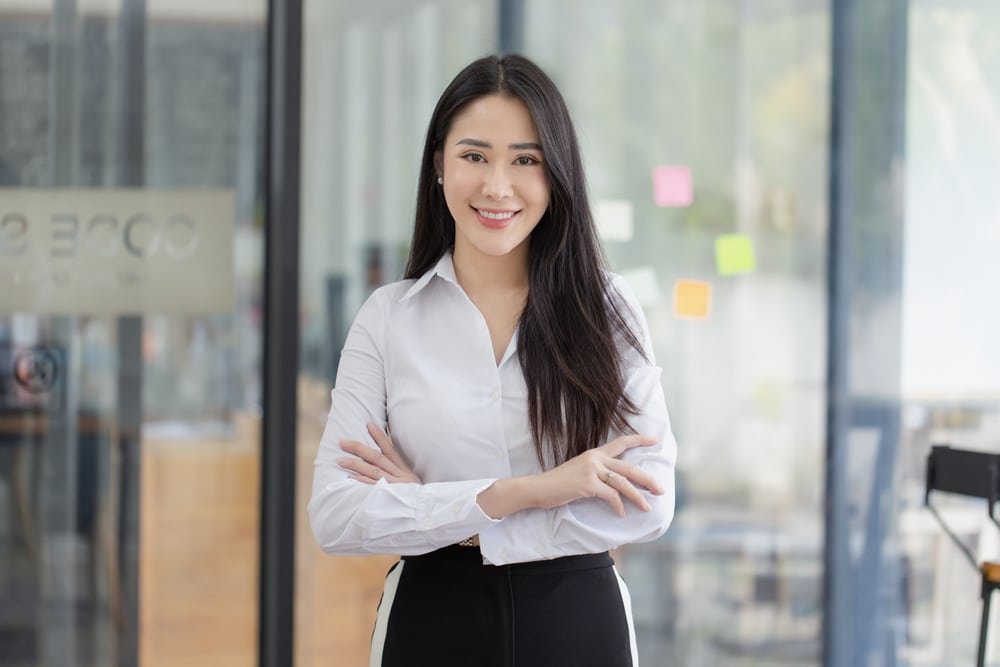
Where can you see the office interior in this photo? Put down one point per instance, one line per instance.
(196, 197)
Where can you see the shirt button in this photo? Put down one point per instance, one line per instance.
(495, 395)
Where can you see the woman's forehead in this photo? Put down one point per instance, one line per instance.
(499, 120)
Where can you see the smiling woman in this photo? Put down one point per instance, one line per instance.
(493, 179)
(529, 433)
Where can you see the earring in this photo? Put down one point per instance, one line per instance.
(440, 180)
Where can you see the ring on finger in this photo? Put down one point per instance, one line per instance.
(607, 478)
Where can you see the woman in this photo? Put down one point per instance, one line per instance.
(529, 431)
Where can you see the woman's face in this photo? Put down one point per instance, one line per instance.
(494, 183)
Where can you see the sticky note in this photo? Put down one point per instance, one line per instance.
(646, 285)
(692, 299)
(769, 398)
(734, 254)
(672, 186)
(613, 218)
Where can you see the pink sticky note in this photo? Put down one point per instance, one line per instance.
(672, 186)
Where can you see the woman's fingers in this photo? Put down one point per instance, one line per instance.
(635, 475)
(597, 473)
(384, 443)
(626, 489)
(403, 471)
(620, 445)
(361, 468)
(608, 494)
(372, 464)
(372, 457)
(364, 480)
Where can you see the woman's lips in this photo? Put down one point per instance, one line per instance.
(495, 218)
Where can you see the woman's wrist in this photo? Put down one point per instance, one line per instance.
(507, 496)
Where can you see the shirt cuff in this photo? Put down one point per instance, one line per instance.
(446, 510)
(521, 537)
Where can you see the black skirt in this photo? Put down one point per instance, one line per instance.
(447, 609)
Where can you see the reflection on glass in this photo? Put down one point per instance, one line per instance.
(129, 443)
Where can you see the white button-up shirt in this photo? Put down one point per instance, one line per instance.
(419, 359)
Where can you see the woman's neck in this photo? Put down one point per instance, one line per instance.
(478, 273)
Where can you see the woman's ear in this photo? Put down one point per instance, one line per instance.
(438, 163)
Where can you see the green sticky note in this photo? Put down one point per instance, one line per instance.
(734, 254)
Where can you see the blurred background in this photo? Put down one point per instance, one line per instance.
(803, 193)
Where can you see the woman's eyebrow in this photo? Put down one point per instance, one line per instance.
(479, 143)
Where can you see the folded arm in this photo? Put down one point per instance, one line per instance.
(638, 507)
(348, 516)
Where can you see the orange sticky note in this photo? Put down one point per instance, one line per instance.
(692, 299)
(672, 186)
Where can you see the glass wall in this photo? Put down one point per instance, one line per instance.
(130, 282)
(707, 136)
(372, 73)
(737, 100)
(951, 322)
(706, 152)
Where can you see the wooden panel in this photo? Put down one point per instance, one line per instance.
(199, 551)
(199, 557)
(336, 597)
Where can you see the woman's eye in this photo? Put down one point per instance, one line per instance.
(525, 161)
(474, 157)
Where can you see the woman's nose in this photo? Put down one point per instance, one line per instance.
(497, 185)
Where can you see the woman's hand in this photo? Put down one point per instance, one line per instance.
(596, 473)
(599, 473)
(370, 465)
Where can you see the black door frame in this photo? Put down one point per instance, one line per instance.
(283, 100)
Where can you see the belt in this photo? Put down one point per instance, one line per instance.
(470, 541)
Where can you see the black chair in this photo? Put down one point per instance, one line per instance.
(974, 474)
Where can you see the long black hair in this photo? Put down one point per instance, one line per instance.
(572, 327)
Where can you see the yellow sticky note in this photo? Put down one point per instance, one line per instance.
(692, 299)
(734, 254)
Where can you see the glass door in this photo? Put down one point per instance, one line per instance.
(130, 319)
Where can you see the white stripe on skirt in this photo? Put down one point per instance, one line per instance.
(627, 601)
(382, 618)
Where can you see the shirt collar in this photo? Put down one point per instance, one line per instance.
(445, 268)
